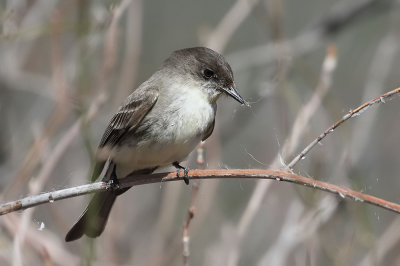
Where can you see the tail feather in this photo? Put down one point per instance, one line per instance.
(94, 219)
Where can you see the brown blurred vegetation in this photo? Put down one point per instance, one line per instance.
(65, 66)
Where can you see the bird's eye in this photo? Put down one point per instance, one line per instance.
(208, 73)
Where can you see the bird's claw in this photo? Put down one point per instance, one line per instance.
(113, 183)
(185, 172)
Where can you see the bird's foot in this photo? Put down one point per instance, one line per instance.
(185, 172)
(113, 183)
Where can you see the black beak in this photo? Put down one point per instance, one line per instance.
(231, 91)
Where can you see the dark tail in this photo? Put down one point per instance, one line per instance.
(94, 219)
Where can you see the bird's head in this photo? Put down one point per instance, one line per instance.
(209, 69)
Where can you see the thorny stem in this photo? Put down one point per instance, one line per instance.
(135, 180)
(352, 113)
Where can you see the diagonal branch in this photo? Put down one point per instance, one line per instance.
(135, 180)
(352, 113)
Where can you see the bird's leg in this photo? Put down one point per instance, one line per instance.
(113, 183)
(185, 171)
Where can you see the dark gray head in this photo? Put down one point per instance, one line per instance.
(207, 67)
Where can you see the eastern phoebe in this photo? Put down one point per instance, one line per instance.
(159, 124)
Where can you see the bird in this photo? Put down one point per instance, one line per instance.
(158, 125)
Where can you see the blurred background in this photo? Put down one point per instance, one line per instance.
(65, 67)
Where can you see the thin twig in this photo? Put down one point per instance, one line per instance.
(40, 241)
(110, 43)
(191, 211)
(298, 225)
(310, 108)
(229, 23)
(382, 65)
(338, 18)
(353, 113)
(387, 242)
(57, 119)
(129, 65)
(135, 180)
(288, 148)
(185, 237)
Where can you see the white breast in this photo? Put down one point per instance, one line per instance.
(195, 115)
(189, 116)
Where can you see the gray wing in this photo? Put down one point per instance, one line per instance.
(210, 127)
(127, 118)
(209, 131)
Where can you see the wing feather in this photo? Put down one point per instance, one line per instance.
(127, 118)
(209, 131)
(210, 127)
